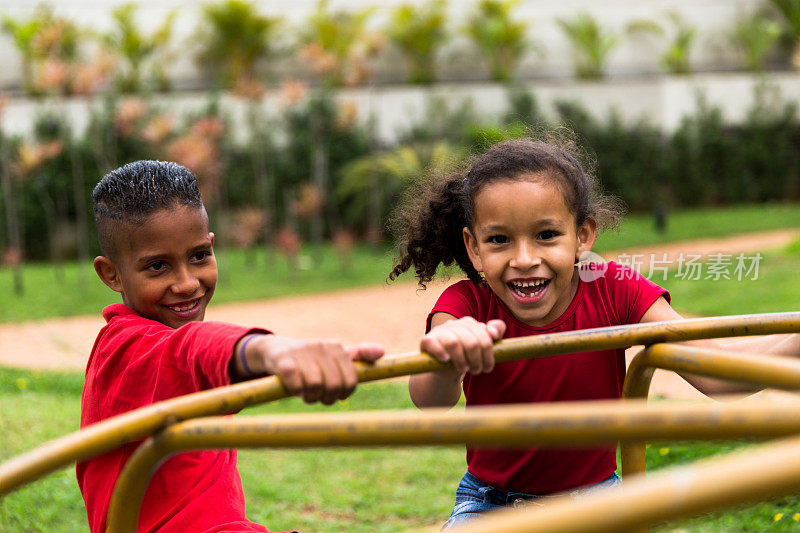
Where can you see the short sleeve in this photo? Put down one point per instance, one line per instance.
(632, 293)
(143, 362)
(458, 300)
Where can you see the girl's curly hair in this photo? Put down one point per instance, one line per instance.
(428, 223)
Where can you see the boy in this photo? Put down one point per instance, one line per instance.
(158, 254)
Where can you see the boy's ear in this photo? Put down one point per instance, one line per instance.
(471, 243)
(587, 233)
(211, 236)
(107, 271)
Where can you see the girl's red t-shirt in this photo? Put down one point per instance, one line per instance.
(621, 296)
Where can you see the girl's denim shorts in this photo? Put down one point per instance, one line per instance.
(474, 497)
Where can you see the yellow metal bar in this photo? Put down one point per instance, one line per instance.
(140, 423)
(764, 370)
(761, 473)
(759, 369)
(557, 424)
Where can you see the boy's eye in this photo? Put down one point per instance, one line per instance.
(156, 266)
(498, 239)
(200, 256)
(548, 234)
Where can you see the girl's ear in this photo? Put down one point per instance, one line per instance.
(587, 232)
(107, 271)
(471, 243)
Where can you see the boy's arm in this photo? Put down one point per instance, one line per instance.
(467, 343)
(317, 371)
(771, 344)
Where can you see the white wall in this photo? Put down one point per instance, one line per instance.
(662, 101)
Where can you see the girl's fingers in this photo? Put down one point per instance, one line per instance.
(453, 347)
(430, 345)
(473, 347)
(486, 340)
(496, 328)
(466, 342)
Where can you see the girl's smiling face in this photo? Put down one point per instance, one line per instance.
(525, 241)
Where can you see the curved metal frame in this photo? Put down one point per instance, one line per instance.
(556, 424)
(140, 423)
(763, 472)
(764, 370)
(158, 418)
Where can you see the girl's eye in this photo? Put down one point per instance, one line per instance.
(548, 234)
(498, 239)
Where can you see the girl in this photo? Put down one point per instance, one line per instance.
(517, 223)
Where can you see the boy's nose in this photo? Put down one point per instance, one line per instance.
(185, 282)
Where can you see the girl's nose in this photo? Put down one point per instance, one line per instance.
(525, 257)
(185, 282)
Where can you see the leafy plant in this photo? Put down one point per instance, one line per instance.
(443, 119)
(381, 178)
(753, 37)
(49, 46)
(675, 58)
(138, 50)
(337, 45)
(235, 38)
(23, 34)
(523, 107)
(591, 43)
(418, 32)
(789, 13)
(500, 39)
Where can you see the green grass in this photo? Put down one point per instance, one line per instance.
(242, 276)
(638, 229)
(375, 489)
(776, 289)
(48, 295)
(36, 407)
(354, 490)
(775, 515)
(361, 490)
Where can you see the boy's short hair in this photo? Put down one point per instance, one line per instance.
(132, 192)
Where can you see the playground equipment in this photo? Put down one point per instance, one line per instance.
(574, 423)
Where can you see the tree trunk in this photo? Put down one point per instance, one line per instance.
(50, 216)
(375, 206)
(319, 174)
(12, 221)
(263, 180)
(81, 218)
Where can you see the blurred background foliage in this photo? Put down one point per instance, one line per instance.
(311, 168)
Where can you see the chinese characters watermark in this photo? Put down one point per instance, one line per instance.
(685, 266)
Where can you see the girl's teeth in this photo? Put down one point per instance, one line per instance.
(529, 288)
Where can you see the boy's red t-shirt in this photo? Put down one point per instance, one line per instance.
(621, 296)
(135, 362)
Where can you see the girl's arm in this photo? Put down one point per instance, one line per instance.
(770, 344)
(464, 341)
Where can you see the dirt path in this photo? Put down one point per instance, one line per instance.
(393, 315)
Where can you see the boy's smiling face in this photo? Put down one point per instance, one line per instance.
(165, 267)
